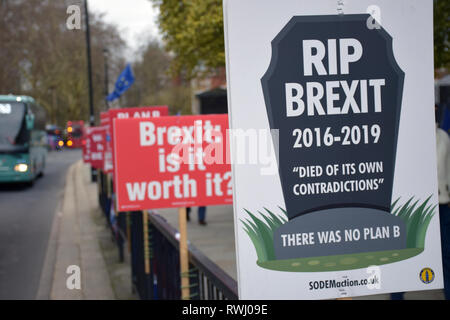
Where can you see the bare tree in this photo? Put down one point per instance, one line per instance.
(40, 57)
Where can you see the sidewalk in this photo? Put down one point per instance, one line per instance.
(77, 241)
(215, 240)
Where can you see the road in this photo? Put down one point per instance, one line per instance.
(26, 218)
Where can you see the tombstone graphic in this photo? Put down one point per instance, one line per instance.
(361, 142)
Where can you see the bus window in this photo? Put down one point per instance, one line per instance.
(12, 124)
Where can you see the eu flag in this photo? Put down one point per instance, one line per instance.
(125, 80)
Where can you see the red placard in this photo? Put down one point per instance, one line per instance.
(95, 146)
(104, 118)
(107, 153)
(86, 146)
(128, 113)
(139, 112)
(153, 169)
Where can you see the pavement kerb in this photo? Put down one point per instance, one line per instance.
(74, 241)
(46, 278)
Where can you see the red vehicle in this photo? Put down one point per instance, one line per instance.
(75, 134)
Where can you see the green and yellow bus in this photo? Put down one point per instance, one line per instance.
(23, 140)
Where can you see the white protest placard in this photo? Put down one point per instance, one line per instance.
(346, 91)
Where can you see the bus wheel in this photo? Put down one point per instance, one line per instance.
(30, 183)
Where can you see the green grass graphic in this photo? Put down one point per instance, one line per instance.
(340, 262)
(417, 219)
(261, 232)
(416, 215)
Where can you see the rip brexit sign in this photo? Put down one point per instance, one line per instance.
(334, 91)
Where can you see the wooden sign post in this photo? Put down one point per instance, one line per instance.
(146, 243)
(184, 259)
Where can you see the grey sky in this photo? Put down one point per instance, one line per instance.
(136, 19)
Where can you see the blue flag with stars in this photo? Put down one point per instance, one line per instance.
(125, 80)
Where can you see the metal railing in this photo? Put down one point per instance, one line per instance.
(154, 253)
(207, 280)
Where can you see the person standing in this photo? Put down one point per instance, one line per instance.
(443, 166)
(443, 172)
(201, 215)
